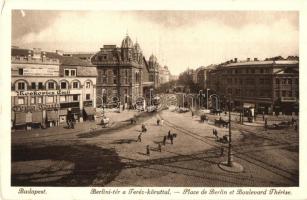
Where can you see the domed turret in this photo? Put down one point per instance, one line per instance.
(127, 42)
(137, 47)
(152, 59)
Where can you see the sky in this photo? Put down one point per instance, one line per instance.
(179, 39)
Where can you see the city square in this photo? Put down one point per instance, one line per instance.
(172, 106)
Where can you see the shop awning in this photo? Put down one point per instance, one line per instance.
(89, 110)
(52, 115)
(20, 118)
(37, 117)
(63, 112)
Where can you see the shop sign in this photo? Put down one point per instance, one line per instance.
(288, 99)
(43, 93)
(39, 107)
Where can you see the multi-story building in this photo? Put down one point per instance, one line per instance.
(124, 75)
(45, 85)
(164, 75)
(268, 86)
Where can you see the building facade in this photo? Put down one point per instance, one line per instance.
(268, 86)
(45, 85)
(124, 75)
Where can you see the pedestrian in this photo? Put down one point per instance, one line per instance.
(162, 121)
(293, 120)
(192, 114)
(262, 116)
(159, 147)
(295, 126)
(222, 151)
(164, 140)
(144, 129)
(169, 134)
(172, 138)
(70, 119)
(139, 138)
(158, 122)
(147, 150)
(265, 123)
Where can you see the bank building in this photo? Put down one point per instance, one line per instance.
(45, 85)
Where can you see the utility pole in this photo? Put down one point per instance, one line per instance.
(229, 162)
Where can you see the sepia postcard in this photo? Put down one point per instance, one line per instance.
(163, 100)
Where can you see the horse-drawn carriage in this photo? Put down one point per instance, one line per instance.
(221, 122)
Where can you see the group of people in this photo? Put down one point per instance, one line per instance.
(160, 122)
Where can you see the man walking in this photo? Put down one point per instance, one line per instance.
(265, 124)
(139, 138)
(169, 134)
(159, 147)
(158, 122)
(147, 150)
(222, 152)
(172, 138)
(164, 140)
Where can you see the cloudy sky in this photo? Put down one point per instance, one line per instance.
(179, 39)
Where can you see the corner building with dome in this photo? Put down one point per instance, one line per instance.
(124, 74)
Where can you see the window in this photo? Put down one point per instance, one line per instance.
(21, 86)
(40, 85)
(261, 71)
(284, 81)
(296, 81)
(253, 71)
(63, 98)
(114, 76)
(289, 81)
(39, 99)
(267, 70)
(49, 99)
(283, 93)
(289, 93)
(21, 100)
(277, 93)
(277, 81)
(104, 76)
(32, 100)
(75, 84)
(51, 85)
(88, 84)
(87, 96)
(63, 85)
(75, 97)
(20, 71)
(70, 72)
(33, 85)
(73, 72)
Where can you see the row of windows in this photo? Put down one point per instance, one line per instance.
(51, 99)
(286, 93)
(247, 71)
(286, 81)
(67, 72)
(51, 85)
(112, 76)
(249, 81)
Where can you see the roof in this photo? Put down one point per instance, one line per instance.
(246, 63)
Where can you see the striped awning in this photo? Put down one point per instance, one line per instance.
(20, 118)
(37, 117)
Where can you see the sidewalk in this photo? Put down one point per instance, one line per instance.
(81, 127)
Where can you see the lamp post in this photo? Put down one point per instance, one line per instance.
(229, 160)
(207, 98)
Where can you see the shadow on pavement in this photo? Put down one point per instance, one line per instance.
(91, 165)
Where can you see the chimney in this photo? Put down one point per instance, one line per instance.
(248, 59)
(231, 61)
(255, 59)
(236, 60)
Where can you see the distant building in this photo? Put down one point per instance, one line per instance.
(268, 86)
(174, 77)
(45, 85)
(164, 75)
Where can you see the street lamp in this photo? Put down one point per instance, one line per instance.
(207, 98)
(229, 165)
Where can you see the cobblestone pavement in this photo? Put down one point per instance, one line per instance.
(269, 158)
